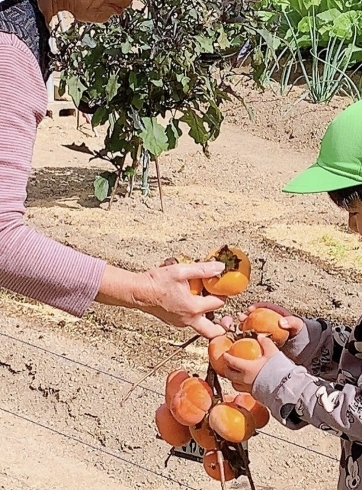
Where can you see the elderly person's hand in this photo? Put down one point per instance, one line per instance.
(84, 10)
(164, 292)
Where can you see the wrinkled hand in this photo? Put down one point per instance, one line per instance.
(242, 373)
(165, 293)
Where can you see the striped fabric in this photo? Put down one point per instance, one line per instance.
(30, 263)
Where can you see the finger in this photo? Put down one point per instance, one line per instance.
(291, 323)
(233, 376)
(241, 387)
(209, 303)
(268, 346)
(243, 316)
(271, 306)
(227, 322)
(200, 270)
(237, 364)
(207, 328)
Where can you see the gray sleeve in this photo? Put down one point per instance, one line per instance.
(297, 398)
(318, 347)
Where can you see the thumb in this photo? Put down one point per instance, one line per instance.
(267, 345)
(291, 323)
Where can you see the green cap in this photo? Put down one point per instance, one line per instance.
(339, 163)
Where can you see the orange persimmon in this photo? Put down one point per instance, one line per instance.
(192, 401)
(232, 423)
(236, 276)
(203, 435)
(169, 429)
(266, 321)
(212, 467)
(173, 383)
(247, 348)
(216, 350)
(196, 286)
(258, 410)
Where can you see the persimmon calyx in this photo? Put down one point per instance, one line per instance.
(227, 257)
(252, 334)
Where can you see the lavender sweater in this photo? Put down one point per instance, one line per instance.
(318, 381)
(30, 263)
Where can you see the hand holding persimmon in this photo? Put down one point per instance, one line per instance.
(287, 321)
(266, 321)
(244, 367)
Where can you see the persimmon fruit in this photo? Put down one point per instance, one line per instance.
(173, 383)
(266, 321)
(258, 410)
(231, 422)
(203, 435)
(212, 467)
(192, 401)
(169, 429)
(236, 276)
(216, 350)
(247, 348)
(196, 286)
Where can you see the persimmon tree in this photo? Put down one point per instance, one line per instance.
(145, 73)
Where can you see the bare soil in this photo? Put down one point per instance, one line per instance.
(61, 421)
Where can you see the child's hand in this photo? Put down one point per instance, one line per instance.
(243, 373)
(289, 322)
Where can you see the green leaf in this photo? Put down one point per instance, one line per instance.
(153, 136)
(132, 80)
(223, 39)
(128, 172)
(100, 116)
(197, 131)
(103, 185)
(112, 86)
(126, 47)
(173, 132)
(76, 89)
(62, 87)
(205, 44)
(137, 102)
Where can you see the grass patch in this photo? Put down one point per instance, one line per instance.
(326, 242)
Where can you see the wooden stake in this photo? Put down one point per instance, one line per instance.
(159, 184)
(114, 190)
(220, 461)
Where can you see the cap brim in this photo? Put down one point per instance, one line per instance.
(317, 179)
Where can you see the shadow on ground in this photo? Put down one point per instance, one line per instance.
(49, 185)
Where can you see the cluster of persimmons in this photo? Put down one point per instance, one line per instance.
(197, 409)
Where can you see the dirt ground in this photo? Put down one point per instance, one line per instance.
(60, 420)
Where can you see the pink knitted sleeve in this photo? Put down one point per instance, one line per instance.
(30, 263)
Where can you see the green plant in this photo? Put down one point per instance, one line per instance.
(310, 37)
(146, 73)
(329, 66)
(321, 39)
(336, 249)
